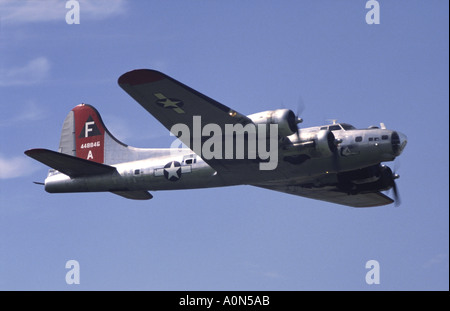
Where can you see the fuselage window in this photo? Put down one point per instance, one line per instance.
(358, 139)
(384, 137)
(137, 172)
(370, 138)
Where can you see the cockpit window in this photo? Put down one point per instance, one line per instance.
(335, 127)
(347, 127)
(338, 127)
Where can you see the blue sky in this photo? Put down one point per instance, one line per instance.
(251, 56)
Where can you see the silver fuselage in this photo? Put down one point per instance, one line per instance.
(183, 169)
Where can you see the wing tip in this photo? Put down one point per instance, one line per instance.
(140, 76)
(31, 152)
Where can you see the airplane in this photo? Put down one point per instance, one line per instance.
(335, 163)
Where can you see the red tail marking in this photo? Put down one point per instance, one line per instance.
(89, 134)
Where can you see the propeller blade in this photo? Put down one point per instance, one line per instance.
(334, 145)
(298, 120)
(300, 105)
(394, 184)
(396, 195)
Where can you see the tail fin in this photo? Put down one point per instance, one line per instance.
(87, 148)
(85, 136)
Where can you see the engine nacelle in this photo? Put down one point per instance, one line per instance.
(369, 179)
(325, 143)
(285, 118)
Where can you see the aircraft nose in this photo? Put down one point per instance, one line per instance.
(398, 141)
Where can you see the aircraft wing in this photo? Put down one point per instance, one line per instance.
(172, 102)
(334, 195)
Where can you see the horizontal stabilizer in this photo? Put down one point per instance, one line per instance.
(134, 195)
(69, 165)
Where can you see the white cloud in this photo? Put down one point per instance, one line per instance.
(437, 260)
(33, 72)
(273, 275)
(100, 9)
(15, 167)
(30, 112)
(31, 11)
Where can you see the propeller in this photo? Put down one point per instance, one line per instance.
(334, 147)
(297, 119)
(300, 109)
(396, 194)
(389, 177)
(394, 184)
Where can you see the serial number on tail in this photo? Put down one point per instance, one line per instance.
(90, 145)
